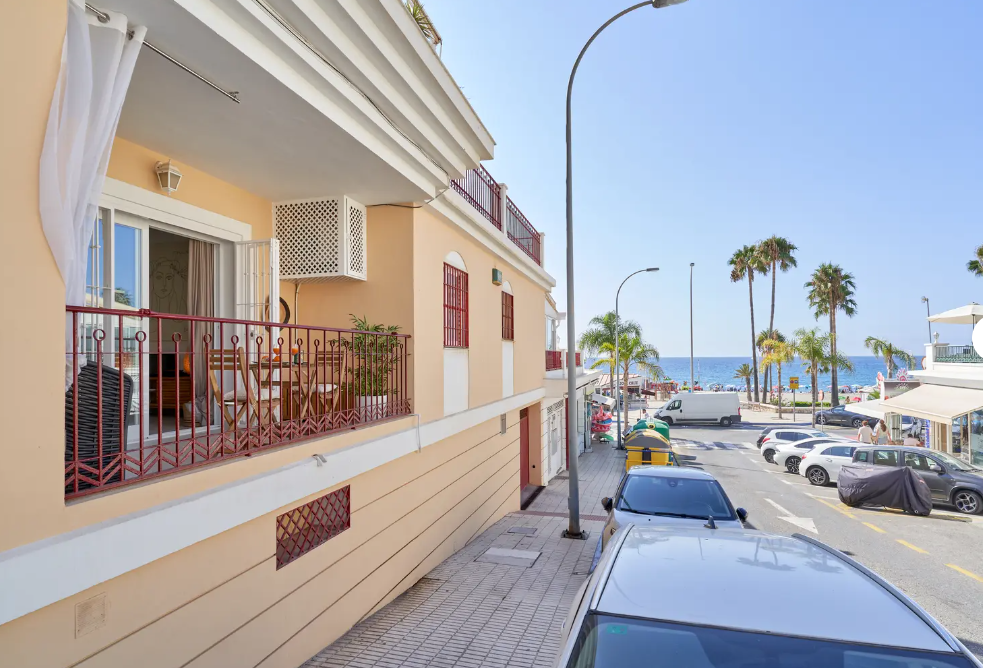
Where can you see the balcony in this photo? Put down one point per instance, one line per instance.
(554, 360)
(152, 394)
(957, 355)
(489, 198)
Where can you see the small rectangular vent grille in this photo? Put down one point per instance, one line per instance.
(304, 528)
(90, 615)
(322, 239)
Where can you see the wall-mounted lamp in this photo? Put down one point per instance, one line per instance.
(168, 176)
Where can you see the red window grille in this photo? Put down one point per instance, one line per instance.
(508, 317)
(312, 524)
(455, 307)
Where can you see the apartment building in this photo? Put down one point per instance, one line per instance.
(285, 344)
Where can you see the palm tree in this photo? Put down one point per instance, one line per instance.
(813, 348)
(975, 267)
(763, 336)
(889, 352)
(631, 351)
(744, 372)
(778, 253)
(744, 263)
(602, 330)
(778, 353)
(830, 290)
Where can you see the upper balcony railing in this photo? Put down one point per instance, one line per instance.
(554, 360)
(151, 394)
(957, 355)
(484, 193)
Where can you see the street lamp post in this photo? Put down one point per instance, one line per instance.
(617, 367)
(573, 502)
(691, 264)
(928, 312)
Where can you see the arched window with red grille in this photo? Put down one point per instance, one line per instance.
(455, 307)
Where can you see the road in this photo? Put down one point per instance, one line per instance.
(937, 560)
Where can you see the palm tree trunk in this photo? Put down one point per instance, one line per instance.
(835, 399)
(754, 347)
(771, 320)
(747, 384)
(780, 392)
(815, 379)
(627, 366)
(890, 368)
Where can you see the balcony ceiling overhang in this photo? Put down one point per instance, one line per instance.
(379, 123)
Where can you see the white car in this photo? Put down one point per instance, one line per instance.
(822, 465)
(790, 435)
(790, 454)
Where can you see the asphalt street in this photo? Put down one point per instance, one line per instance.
(937, 560)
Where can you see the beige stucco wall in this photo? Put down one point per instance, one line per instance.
(433, 239)
(31, 36)
(223, 603)
(134, 164)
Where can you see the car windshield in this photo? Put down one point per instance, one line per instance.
(675, 497)
(608, 641)
(951, 462)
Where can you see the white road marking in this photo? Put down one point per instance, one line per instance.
(801, 522)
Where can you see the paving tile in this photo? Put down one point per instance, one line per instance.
(470, 614)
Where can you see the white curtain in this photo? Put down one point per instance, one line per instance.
(97, 62)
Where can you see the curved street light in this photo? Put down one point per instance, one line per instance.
(573, 502)
(617, 366)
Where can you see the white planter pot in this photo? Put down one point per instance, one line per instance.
(372, 407)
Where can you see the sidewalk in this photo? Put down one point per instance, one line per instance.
(475, 614)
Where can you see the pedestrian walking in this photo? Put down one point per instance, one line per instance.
(645, 414)
(865, 434)
(882, 436)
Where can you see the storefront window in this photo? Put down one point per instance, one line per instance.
(976, 437)
(960, 437)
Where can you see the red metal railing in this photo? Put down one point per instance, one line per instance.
(554, 360)
(521, 231)
(153, 394)
(577, 359)
(483, 193)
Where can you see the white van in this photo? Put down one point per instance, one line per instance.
(723, 408)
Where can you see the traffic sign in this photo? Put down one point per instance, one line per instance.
(793, 382)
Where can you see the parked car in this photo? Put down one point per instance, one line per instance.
(695, 597)
(785, 435)
(951, 480)
(843, 417)
(764, 433)
(790, 454)
(669, 495)
(723, 408)
(822, 465)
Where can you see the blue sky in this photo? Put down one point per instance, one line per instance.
(852, 127)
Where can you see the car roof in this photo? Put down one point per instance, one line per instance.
(828, 437)
(670, 472)
(800, 430)
(755, 581)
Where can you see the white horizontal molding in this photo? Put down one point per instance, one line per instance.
(345, 107)
(453, 208)
(136, 200)
(33, 576)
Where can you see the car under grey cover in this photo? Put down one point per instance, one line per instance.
(891, 487)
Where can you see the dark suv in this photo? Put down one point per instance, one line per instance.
(841, 416)
(950, 480)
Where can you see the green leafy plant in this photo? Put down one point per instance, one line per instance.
(419, 14)
(632, 350)
(744, 263)
(975, 266)
(830, 290)
(744, 372)
(889, 353)
(375, 352)
(778, 353)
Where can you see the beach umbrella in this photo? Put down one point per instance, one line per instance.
(964, 315)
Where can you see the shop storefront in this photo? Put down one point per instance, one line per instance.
(954, 418)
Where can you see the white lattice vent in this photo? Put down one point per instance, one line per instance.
(322, 239)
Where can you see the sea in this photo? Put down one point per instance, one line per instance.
(712, 370)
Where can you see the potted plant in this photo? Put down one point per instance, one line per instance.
(374, 355)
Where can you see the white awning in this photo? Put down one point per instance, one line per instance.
(870, 408)
(935, 402)
(964, 315)
(599, 398)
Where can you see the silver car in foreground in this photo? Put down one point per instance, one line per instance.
(670, 597)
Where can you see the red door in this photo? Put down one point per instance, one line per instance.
(523, 448)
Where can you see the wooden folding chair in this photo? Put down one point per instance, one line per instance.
(325, 377)
(264, 401)
(233, 400)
